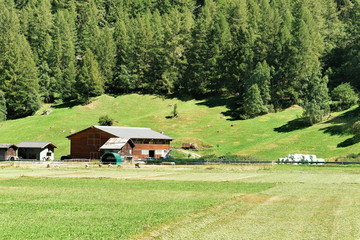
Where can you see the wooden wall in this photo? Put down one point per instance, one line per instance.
(82, 147)
(127, 150)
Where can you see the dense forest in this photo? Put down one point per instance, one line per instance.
(268, 54)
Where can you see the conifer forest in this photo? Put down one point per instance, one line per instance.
(266, 54)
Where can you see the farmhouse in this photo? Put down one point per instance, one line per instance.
(36, 150)
(7, 151)
(134, 142)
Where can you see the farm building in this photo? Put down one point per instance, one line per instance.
(122, 146)
(7, 151)
(91, 142)
(36, 150)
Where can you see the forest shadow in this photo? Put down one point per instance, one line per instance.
(69, 104)
(229, 102)
(342, 126)
(292, 125)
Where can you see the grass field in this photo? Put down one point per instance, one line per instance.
(205, 122)
(166, 202)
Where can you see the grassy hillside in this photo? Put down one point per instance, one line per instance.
(203, 121)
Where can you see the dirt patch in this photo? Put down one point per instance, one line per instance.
(66, 174)
(255, 199)
(201, 145)
(295, 106)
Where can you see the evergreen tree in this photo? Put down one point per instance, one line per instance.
(316, 100)
(89, 80)
(18, 73)
(39, 30)
(89, 30)
(63, 62)
(262, 77)
(253, 104)
(3, 111)
(106, 55)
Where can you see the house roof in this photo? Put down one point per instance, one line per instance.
(35, 144)
(130, 132)
(7, 146)
(116, 143)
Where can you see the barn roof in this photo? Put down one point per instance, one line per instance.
(7, 146)
(35, 144)
(116, 143)
(130, 132)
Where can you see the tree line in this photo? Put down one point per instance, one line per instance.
(270, 54)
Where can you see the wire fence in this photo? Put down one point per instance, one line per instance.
(83, 162)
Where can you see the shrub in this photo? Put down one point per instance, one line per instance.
(174, 112)
(105, 121)
(343, 97)
(356, 128)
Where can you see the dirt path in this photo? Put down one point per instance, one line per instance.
(194, 155)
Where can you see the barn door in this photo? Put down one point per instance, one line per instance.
(152, 153)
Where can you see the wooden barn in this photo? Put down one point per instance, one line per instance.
(90, 143)
(7, 151)
(36, 150)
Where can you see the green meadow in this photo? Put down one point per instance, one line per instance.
(180, 202)
(205, 122)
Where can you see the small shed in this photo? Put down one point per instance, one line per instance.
(36, 150)
(111, 158)
(122, 146)
(8, 151)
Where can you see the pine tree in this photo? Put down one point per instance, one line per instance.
(262, 77)
(18, 73)
(89, 30)
(106, 55)
(40, 24)
(89, 80)
(253, 104)
(63, 61)
(316, 101)
(3, 111)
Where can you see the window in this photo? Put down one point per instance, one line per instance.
(94, 139)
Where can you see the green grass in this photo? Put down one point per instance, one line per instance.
(268, 137)
(193, 202)
(38, 208)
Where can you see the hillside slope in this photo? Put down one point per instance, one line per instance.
(268, 137)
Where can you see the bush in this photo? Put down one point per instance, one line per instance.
(174, 112)
(105, 121)
(343, 97)
(356, 128)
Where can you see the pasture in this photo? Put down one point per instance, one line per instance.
(180, 202)
(205, 122)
